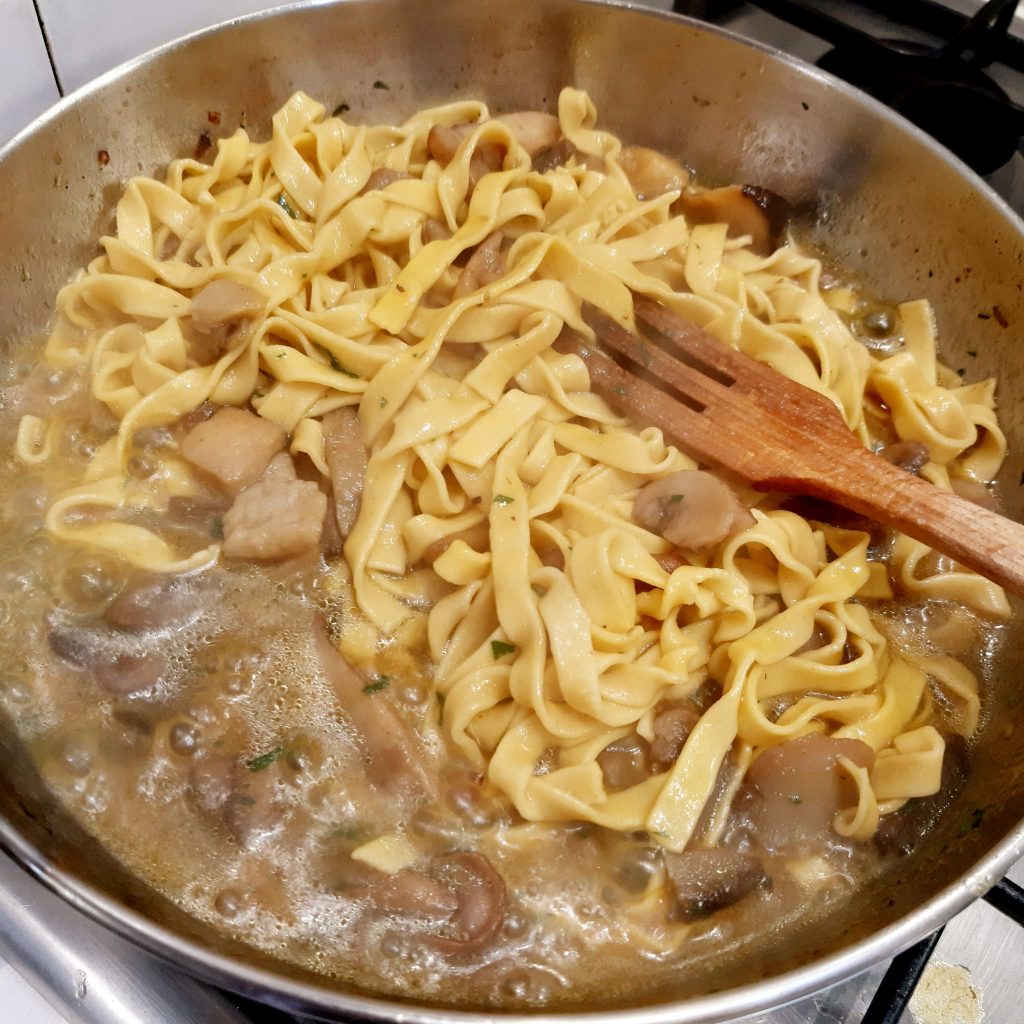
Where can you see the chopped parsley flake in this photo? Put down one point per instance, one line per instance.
(336, 364)
(381, 85)
(975, 821)
(794, 799)
(675, 499)
(341, 108)
(217, 528)
(377, 685)
(499, 649)
(502, 500)
(282, 201)
(257, 764)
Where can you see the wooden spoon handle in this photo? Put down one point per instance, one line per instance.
(984, 541)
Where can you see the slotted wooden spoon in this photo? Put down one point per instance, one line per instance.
(729, 410)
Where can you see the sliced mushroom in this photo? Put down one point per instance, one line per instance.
(250, 803)
(554, 156)
(624, 762)
(651, 173)
(480, 912)
(975, 492)
(745, 209)
(704, 881)
(382, 177)
(477, 537)
(277, 517)
(461, 894)
(486, 264)
(692, 509)
(195, 513)
(154, 603)
(671, 726)
(435, 230)
(345, 452)
(800, 788)
(532, 129)
(911, 456)
(671, 560)
(415, 894)
(130, 672)
(234, 446)
(120, 668)
(443, 142)
(395, 757)
(221, 306)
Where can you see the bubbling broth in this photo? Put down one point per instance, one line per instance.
(346, 613)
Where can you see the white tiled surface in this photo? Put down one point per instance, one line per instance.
(91, 36)
(27, 86)
(19, 1004)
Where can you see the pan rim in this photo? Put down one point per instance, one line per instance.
(288, 993)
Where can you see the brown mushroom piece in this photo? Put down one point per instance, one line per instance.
(480, 910)
(277, 517)
(435, 230)
(672, 724)
(554, 156)
(486, 264)
(911, 456)
(221, 307)
(415, 894)
(533, 129)
(705, 881)
(975, 492)
(382, 177)
(477, 537)
(130, 672)
(651, 173)
(120, 668)
(624, 762)
(443, 142)
(692, 509)
(800, 787)
(745, 209)
(395, 757)
(195, 517)
(234, 446)
(345, 452)
(461, 893)
(156, 603)
(249, 802)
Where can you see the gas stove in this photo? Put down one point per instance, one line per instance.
(912, 55)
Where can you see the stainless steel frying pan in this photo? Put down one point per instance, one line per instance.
(881, 199)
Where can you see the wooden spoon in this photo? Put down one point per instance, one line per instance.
(732, 411)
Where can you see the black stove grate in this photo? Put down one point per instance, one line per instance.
(897, 986)
(925, 61)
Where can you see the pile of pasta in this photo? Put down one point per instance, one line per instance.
(565, 632)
